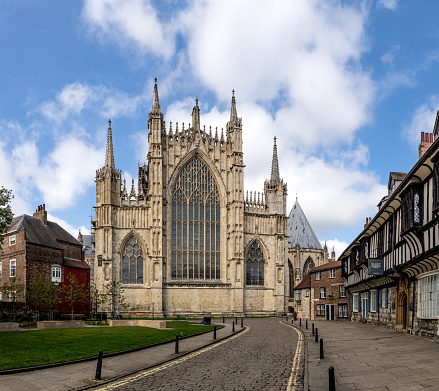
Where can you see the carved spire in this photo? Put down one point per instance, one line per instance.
(155, 100)
(275, 178)
(124, 190)
(109, 157)
(233, 114)
(196, 116)
(133, 190)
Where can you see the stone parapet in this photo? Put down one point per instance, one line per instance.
(9, 326)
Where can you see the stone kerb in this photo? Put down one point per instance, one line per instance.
(155, 324)
(9, 326)
(65, 324)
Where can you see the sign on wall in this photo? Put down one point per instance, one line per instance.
(376, 266)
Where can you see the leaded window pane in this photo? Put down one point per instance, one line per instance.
(132, 262)
(255, 265)
(195, 200)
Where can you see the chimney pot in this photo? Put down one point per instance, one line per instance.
(44, 206)
(422, 137)
(431, 138)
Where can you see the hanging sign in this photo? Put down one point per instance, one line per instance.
(376, 266)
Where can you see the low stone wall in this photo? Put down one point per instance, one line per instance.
(60, 324)
(9, 326)
(155, 324)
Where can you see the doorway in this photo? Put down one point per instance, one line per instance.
(401, 315)
(364, 307)
(330, 312)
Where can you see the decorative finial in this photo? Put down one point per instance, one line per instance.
(155, 99)
(275, 178)
(233, 114)
(109, 157)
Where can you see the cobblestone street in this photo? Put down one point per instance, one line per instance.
(260, 359)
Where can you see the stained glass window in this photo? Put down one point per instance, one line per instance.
(132, 263)
(255, 265)
(195, 224)
(309, 264)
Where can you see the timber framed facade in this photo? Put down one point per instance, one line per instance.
(405, 235)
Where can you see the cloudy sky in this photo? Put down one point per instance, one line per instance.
(346, 87)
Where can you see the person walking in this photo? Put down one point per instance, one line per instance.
(117, 314)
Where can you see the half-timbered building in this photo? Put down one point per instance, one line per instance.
(391, 269)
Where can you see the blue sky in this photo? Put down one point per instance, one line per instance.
(346, 87)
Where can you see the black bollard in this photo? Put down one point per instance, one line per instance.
(317, 335)
(236, 320)
(99, 366)
(312, 329)
(214, 332)
(292, 319)
(223, 319)
(321, 349)
(286, 318)
(233, 326)
(300, 322)
(242, 322)
(331, 379)
(306, 324)
(176, 343)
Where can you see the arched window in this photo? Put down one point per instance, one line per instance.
(255, 265)
(132, 263)
(309, 264)
(195, 224)
(291, 278)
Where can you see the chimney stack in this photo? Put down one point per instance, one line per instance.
(41, 213)
(426, 141)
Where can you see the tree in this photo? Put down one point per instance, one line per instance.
(97, 298)
(5, 212)
(115, 295)
(72, 292)
(41, 293)
(11, 289)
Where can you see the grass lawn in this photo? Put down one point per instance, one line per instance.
(31, 348)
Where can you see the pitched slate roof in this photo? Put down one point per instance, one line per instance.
(329, 265)
(305, 283)
(300, 231)
(38, 233)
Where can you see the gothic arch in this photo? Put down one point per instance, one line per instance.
(308, 265)
(197, 152)
(255, 263)
(140, 256)
(261, 245)
(290, 279)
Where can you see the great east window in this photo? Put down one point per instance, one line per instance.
(195, 224)
(132, 262)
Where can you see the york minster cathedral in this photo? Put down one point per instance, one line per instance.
(188, 239)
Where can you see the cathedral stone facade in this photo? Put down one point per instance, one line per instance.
(187, 240)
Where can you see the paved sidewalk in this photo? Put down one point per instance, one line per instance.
(367, 357)
(77, 376)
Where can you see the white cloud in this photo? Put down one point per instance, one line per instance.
(68, 227)
(130, 22)
(337, 245)
(422, 119)
(389, 4)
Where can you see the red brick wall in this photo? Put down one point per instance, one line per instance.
(332, 286)
(73, 251)
(83, 276)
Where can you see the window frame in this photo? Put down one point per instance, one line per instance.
(332, 273)
(428, 296)
(321, 310)
(57, 270)
(13, 262)
(373, 300)
(307, 293)
(355, 302)
(12, 240)
(1, 269)
(340, 294)
(344, 308)
(318, 276)
(13, 297)
(322, 292)
(297, 295)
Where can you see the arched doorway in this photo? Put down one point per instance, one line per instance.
(401, 314)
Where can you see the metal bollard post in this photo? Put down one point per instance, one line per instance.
(223, 319)
(242, 323)
(99, 366)
(306, 324)
(322, 356)
(292, 319)
(233, 326)
(214, 332)
(331, 379)
(317, 335)
(300, 322)
(312, 329)
(236, 320)
(286, 318)
(176, 343)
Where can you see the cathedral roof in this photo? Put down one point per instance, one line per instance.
(300, 231)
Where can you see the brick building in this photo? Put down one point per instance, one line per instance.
(34, 244)
(321, 294)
